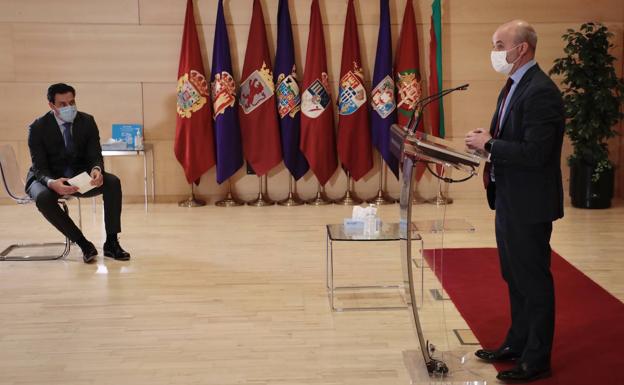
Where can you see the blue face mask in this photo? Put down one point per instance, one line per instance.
(68, 113)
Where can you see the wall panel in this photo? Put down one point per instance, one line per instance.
(239, 11)
(7, 66)
(536, 11)
(69, 11)
(103, 53)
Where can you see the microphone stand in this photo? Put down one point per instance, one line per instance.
(440, 199)
(422, 103)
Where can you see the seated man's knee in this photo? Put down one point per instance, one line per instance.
(46, 199)
(111, 181)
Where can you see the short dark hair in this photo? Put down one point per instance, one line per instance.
(59, 88)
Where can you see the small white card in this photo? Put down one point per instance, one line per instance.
(82, 181)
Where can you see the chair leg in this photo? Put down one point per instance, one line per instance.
(4, 255)
(79, 215)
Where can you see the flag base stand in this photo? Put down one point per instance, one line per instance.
(291, 200)
(440, 200)
(192, 202)
(319, 200)
(229, 201)
(261, 201)
(349, 199)
(382, 199)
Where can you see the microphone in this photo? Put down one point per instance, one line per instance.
(422, 103)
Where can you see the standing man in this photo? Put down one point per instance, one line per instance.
(523, 183)
(63, 143)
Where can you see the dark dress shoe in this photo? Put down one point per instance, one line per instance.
(524, 373)
(504, 353)
(114, 250)
(89, 252)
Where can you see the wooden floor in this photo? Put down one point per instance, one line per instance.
(229, 296)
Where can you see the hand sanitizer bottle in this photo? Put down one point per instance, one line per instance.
(138, 141)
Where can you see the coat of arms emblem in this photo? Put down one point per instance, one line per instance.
(315, 98)
(351, 94)
(382, 97)
(223, 92)
(256, 89)
(288, 97)
(409, 91)
(192, 93)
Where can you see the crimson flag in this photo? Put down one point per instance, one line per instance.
(407, 68)
(256, 108)
(354, 141)
(194, 142)
(318, 141)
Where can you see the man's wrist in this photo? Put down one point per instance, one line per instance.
(488, 145)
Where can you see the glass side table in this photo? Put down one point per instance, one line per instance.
(147, 150)
(336, 233)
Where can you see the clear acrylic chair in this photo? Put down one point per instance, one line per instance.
(15, 188)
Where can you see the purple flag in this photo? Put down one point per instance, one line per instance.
(383, 102)
(227, 130)
(288, 95)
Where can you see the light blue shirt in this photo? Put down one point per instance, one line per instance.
(516, 77)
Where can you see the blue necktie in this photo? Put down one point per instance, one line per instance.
(488, 171)
(67, 137)
(69, 147)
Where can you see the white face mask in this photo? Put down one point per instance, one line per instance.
(499, 61)
(67, 113)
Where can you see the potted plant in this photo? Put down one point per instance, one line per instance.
(593, 95)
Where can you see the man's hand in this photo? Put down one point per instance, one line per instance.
(59, 186)
(476, 139)
(97, 179)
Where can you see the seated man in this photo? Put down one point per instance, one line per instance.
(64, 143)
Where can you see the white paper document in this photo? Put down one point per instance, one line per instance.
(82, 181)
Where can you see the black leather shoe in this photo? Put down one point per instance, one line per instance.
(89, 252)
(504, 353)
(524, 373)
(114, 250)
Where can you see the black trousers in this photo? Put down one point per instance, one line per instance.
(524, 251)
(47, 202)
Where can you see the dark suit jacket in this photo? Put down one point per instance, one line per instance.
(527, 155)
(47, 148)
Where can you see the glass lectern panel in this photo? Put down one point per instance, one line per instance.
(445, 359)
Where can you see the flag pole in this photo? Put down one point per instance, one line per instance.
(191, 201)
(382, 197)
(320, 199)
(349, 199)
(292, 199)
(261, 201)
(229, 200)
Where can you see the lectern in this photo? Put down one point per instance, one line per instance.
(412, 148)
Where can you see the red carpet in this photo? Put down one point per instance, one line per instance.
(589, 326)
